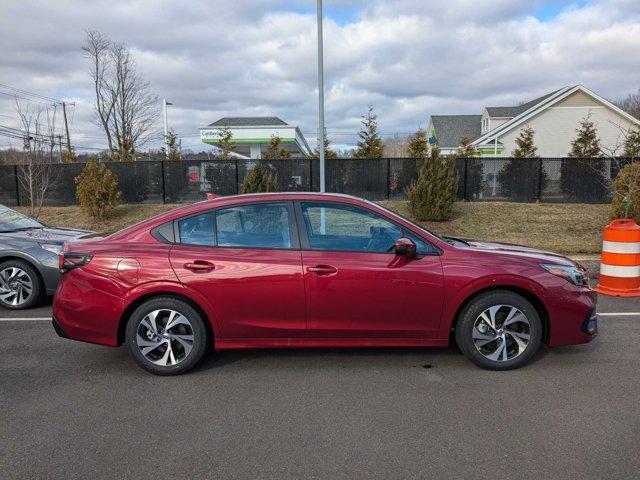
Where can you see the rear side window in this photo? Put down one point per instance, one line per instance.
(197, 230)
(261, 225)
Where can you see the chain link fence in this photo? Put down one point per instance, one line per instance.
(561, 180)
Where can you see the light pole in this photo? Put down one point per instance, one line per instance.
(320, 99)
(166, 129)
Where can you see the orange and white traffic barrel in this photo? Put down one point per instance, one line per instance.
(620, 263)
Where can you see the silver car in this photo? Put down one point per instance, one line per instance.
(29, 258)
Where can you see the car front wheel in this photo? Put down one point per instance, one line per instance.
(20, 285)
(166, 336)
(499, 330)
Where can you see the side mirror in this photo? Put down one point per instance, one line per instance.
(405, 247)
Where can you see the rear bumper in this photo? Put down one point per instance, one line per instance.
(59, 330)
(86, 314)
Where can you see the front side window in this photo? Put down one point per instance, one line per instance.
(261, 225)
(333, 226)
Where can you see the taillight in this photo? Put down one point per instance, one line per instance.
(69, 261)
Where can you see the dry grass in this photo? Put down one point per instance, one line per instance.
(572, 229)
(73, 217)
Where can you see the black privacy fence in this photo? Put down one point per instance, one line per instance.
(561, 180)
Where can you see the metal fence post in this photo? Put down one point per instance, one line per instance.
(464, 180)
(539, 180)
(388, 178)
(311, 175)
(162, 183)
(15, 175)
(237, 178)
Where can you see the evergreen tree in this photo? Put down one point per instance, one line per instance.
(226, 144)
(632, 144)
(275, 151)
(474, 168)
(520, 177)
(582, 176)
(370, 145)
(524, 144)
(587, 143)
(328, 152)
(431, 197)
(259, 180)
(172, 144)
(97, 190)
(418, 145)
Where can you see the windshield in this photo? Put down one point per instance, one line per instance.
(10, 221)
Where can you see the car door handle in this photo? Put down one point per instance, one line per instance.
(323, 270)
(199, 266)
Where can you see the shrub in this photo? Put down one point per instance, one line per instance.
(432, 195)
(626, 193)
(259, 180)
(97, 190)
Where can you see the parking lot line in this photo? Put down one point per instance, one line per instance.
(619, 314)
(27, 319)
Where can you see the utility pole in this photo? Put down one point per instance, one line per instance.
(166, 128)
(320, 99)
(66, 126)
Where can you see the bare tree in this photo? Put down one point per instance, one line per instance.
(125, 106)
(35, 172)
(397, 146)
(97, 51)
(631, 104)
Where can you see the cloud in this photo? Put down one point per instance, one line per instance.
(409, 58)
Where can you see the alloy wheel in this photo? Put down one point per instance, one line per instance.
(165, 337)
(16, 287)
(501, 333)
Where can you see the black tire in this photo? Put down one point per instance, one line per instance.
(197, 328)
(37, 292)
(465, 326)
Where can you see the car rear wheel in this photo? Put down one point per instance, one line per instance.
(166, 336)
(20, 285)
(499, 330)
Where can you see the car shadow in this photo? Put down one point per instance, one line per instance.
(343, 357)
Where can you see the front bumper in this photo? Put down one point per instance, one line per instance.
(590, 324)
(572, 316)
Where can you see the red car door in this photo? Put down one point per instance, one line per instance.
(355, 287)
(245, 260)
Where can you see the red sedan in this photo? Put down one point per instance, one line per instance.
(313, 270)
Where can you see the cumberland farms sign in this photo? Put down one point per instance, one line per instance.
(253, 135)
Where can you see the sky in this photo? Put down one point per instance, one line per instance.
(408, 58)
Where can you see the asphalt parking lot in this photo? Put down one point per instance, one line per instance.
(73, 410)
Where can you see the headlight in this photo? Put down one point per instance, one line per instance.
(51, 247)
(569, 273)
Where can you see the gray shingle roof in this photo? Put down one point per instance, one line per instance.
(515, 111)
(451, 128)
(248, 122)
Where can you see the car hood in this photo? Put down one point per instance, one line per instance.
(519, 251)
(49, 234)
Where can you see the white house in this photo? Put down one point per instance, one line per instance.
(554, 117)
(252, 135)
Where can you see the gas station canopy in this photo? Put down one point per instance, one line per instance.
(252, 135)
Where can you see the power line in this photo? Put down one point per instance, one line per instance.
(31, 94)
